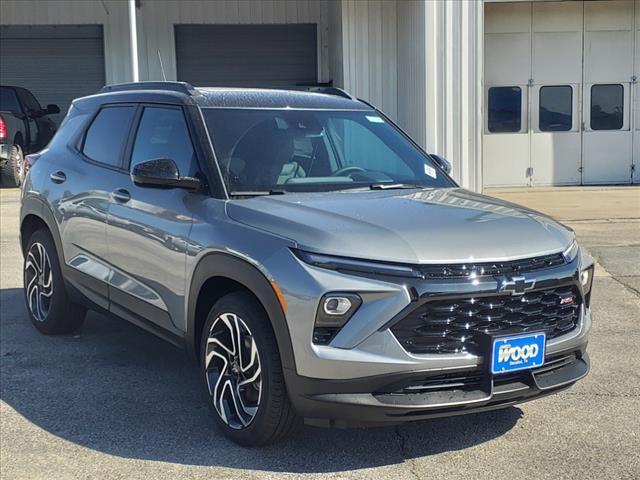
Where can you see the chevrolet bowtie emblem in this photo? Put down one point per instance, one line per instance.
(515, 285)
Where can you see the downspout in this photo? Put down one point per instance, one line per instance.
(133, 36)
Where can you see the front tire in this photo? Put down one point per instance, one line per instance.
(50, 309)
(12, 172)
(243, 372)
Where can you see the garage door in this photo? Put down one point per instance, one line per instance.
(246, 55)
(57, 63)
(559, 86)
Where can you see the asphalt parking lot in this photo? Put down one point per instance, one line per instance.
(112, 401)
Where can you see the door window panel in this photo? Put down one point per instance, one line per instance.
(105, 138)
(556, 112)
(163, 133)
(607, 107)
(505, 109)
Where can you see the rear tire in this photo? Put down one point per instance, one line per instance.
(12, 172)
(247, 393)
(50, 309)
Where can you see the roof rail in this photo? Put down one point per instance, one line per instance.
(326, 88)
(180, 87)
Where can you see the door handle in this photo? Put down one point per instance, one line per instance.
(121, 195)
(58, 177)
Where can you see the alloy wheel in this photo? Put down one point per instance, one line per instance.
(233, 371)
(38, 281)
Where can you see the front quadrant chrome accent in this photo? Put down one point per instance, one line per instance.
(233, 371)
(38, 281)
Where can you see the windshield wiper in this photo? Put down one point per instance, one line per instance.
(394, 186)
(256, 193)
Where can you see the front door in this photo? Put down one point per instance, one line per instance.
(148, 227)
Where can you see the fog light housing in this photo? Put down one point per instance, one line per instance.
(334, 312)
(586, 281)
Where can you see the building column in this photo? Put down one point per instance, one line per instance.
(133, 40)
(454, 76)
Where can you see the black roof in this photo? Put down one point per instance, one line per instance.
(316, 98)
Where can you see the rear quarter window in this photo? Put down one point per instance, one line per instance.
(9, 100)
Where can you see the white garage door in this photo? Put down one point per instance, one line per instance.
(246, 55)
(57, 63)
(559, 80)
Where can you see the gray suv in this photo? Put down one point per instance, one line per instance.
(312, 259)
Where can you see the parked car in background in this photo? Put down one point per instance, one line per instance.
(308, 254)
(25, 127)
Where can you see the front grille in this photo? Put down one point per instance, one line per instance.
(513, 267)
(458, 325)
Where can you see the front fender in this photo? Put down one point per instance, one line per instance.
(219, 264)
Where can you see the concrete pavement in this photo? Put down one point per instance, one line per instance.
(112, 401)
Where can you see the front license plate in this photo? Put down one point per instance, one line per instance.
(519, 352)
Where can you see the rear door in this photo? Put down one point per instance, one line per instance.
(81, 185)
(148, 227)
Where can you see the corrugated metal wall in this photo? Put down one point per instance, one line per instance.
(112, 14)
(369, 55)
(418, 60)
(156, 21)
(412, 70)
(421, 62)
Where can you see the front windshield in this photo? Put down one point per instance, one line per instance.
(315, 150)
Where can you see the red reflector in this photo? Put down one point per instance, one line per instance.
(3, 129)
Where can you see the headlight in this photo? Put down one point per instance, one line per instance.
(349, 265)
(571, 252)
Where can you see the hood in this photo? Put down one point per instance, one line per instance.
(410, 226)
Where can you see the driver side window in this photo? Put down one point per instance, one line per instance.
(163, 133)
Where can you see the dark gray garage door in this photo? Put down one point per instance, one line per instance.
(246, 55)
(57, 63)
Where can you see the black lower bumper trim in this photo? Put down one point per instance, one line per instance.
(356, 403)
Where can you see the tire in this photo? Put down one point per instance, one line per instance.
(12, 171)
(235, 377)
(49, 307)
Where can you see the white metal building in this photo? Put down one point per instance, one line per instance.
(505, 90)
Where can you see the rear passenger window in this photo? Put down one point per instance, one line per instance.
(163, 133)
(505, 109)
(607, 107)
(105, 138)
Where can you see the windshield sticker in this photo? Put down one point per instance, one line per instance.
(429, 170)
(374, 119)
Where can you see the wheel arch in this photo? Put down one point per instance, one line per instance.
(18, 141)
(225, 273)
(35, 214)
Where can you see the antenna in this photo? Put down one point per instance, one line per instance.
(164, 77)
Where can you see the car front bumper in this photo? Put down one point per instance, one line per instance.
(365, 376)
(381, 400)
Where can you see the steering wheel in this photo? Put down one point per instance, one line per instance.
(347, 171)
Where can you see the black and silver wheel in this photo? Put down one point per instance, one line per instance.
(12, 173)
(243, 373)
(233, 372)
(38, 278)
(49, 307)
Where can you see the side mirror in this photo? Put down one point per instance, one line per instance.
(443, 163)
(51, 109)
(162, 172)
